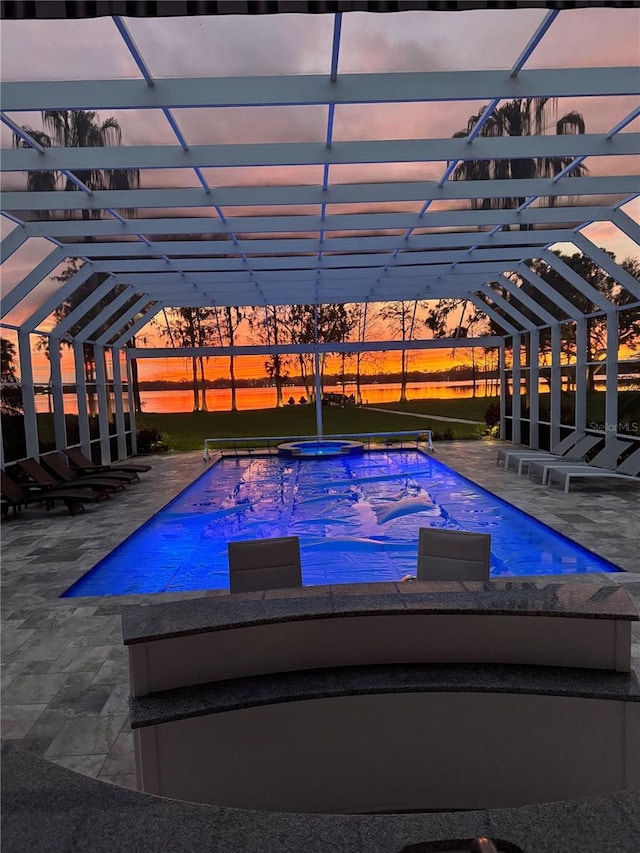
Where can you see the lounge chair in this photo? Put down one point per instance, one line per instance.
(258, 564)
(453, 555)
(41, 477)
(576, 454)
(627, 470)
(506, 454)
(59, 469)
(83, 463)
(15, 496)
(606, 458)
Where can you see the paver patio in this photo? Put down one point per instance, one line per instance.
(64, 668)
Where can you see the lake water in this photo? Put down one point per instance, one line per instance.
(219, 399)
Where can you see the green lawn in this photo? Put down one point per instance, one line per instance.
(471, 409)
(187, 431)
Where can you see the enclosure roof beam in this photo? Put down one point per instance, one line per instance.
(305, 293)
(100, 319)
(513, 313)
(75, 316)
(307, 153)
(19, 201)
(534, 41)
(56, 299)
(12, 242)
(477, 300)
(582, 286)
(608, 264)
(31, 281)
(296, 90)
(550, 292)
(118, 327)
(146, 316)
(292, 248)
(283, 349)
(338, 222)
(292, 277)
(528, 301)
(626, 224)
(424, 260)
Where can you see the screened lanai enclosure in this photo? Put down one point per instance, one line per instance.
(471, 158)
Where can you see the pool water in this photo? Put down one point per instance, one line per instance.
(357, 518)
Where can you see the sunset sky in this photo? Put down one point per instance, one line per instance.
(297, 44)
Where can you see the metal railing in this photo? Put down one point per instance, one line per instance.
(266, 444)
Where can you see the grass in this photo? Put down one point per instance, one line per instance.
(471, 409)
(188, 430)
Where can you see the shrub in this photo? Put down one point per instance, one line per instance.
(492, 415)
(151, 440)
(447, 435)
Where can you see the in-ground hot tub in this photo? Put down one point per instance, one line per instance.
(318, 447)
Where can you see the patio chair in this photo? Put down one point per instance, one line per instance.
(59, 469)
(576, 454)
(606, 458)
(15, 496)
(258, 564)
(88, 469)
(506, 454)
(627, 470)
(41, 477)
(453, 555)
(83, 463)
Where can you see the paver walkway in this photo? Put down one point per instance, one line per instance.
(64, 670)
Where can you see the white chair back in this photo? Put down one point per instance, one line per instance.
(453, 555)
(257, 564)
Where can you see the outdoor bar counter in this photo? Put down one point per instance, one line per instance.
(387, 698)
(49, 809)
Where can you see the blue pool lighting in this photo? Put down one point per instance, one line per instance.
(320, 447)
(357, 518)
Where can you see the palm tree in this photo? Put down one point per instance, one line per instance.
(78, 129)
(520, 117)
(10, 390)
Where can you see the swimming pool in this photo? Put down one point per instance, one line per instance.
(357, 518)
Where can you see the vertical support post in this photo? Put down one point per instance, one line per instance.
(132, 406)
(502, 376)
(318, 384)
(103, 405)
(119, 408)
(611, 391)
(28, 394)
(81, 394)
(534, 383)
(57, 390)
(556, 386)
(582, 374)
(516, 408)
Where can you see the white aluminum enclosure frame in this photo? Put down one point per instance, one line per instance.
(151, 264)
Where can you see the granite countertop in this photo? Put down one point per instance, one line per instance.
(234, 694)
(48, 809)
(565, 600)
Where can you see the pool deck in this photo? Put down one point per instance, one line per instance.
(65, 685)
